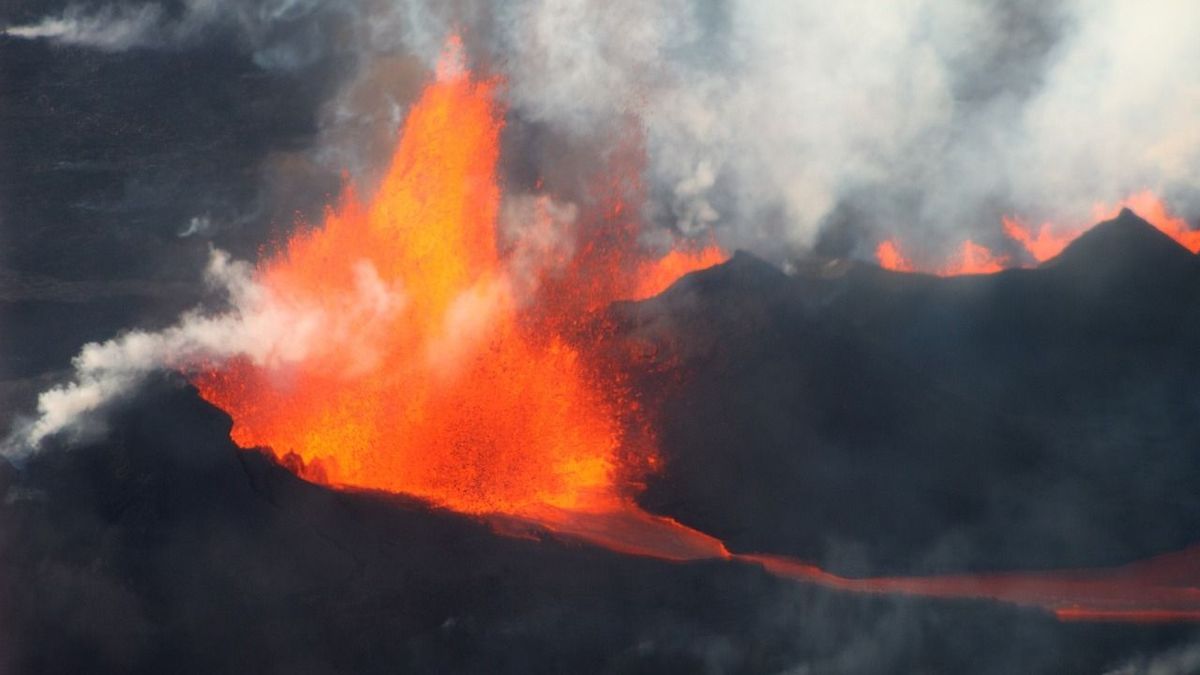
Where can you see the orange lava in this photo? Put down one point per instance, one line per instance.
(1163, 589)
(1147, 205)
(1051, 239)
(657, 275)
(461, 392)
(1044, 245)
(1158, 590)
(890, 258)
(973, 258)
(1084, 614)
(1048, 241)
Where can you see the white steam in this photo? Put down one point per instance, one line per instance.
(269, 329)
(765, 117)
(110, 28)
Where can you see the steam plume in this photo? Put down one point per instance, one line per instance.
(261, 326)
(774, 120)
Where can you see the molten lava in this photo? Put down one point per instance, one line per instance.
(655, 277)
(890, 258)
(1048, 241)
(973, 258)
(458, 394)
(1051, 239)
(1044, 245)
(1147, 205)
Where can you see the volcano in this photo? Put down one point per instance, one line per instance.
(955, 424)
(878, 424)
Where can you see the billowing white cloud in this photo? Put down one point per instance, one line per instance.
(110, 28)
(763, 116)
(266, 327)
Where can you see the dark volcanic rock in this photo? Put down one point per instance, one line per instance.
(1126, 244)
(163, 548)
(882, 423)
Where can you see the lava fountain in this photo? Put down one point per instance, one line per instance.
(466, 384)
(466, 392)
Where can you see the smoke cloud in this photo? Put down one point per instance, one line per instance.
(260, 325)
(772, 122)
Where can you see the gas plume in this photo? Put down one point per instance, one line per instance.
(776, 124)
(261, 326)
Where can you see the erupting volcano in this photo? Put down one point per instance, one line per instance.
(588, 336)
(458, 385)
(469, 387)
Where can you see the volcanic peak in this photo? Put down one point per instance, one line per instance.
(1124, 243)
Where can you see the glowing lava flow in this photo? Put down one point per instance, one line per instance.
(1159, 590)
(1162, 589)
(459, 385)
(1047, 241)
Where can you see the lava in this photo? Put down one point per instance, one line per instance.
(467, 384)
(890, 258)
(466, 392)
(973, 258)
(1150, 207)
(1047, 241)
(656, 276)
(1044, 245)
(1163, 589)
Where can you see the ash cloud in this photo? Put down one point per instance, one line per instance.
(773, 123)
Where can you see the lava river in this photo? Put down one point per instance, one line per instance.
(467, 383)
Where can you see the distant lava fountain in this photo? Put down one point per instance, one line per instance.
(1051, 239)
(467, 384)
(1047, 241)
